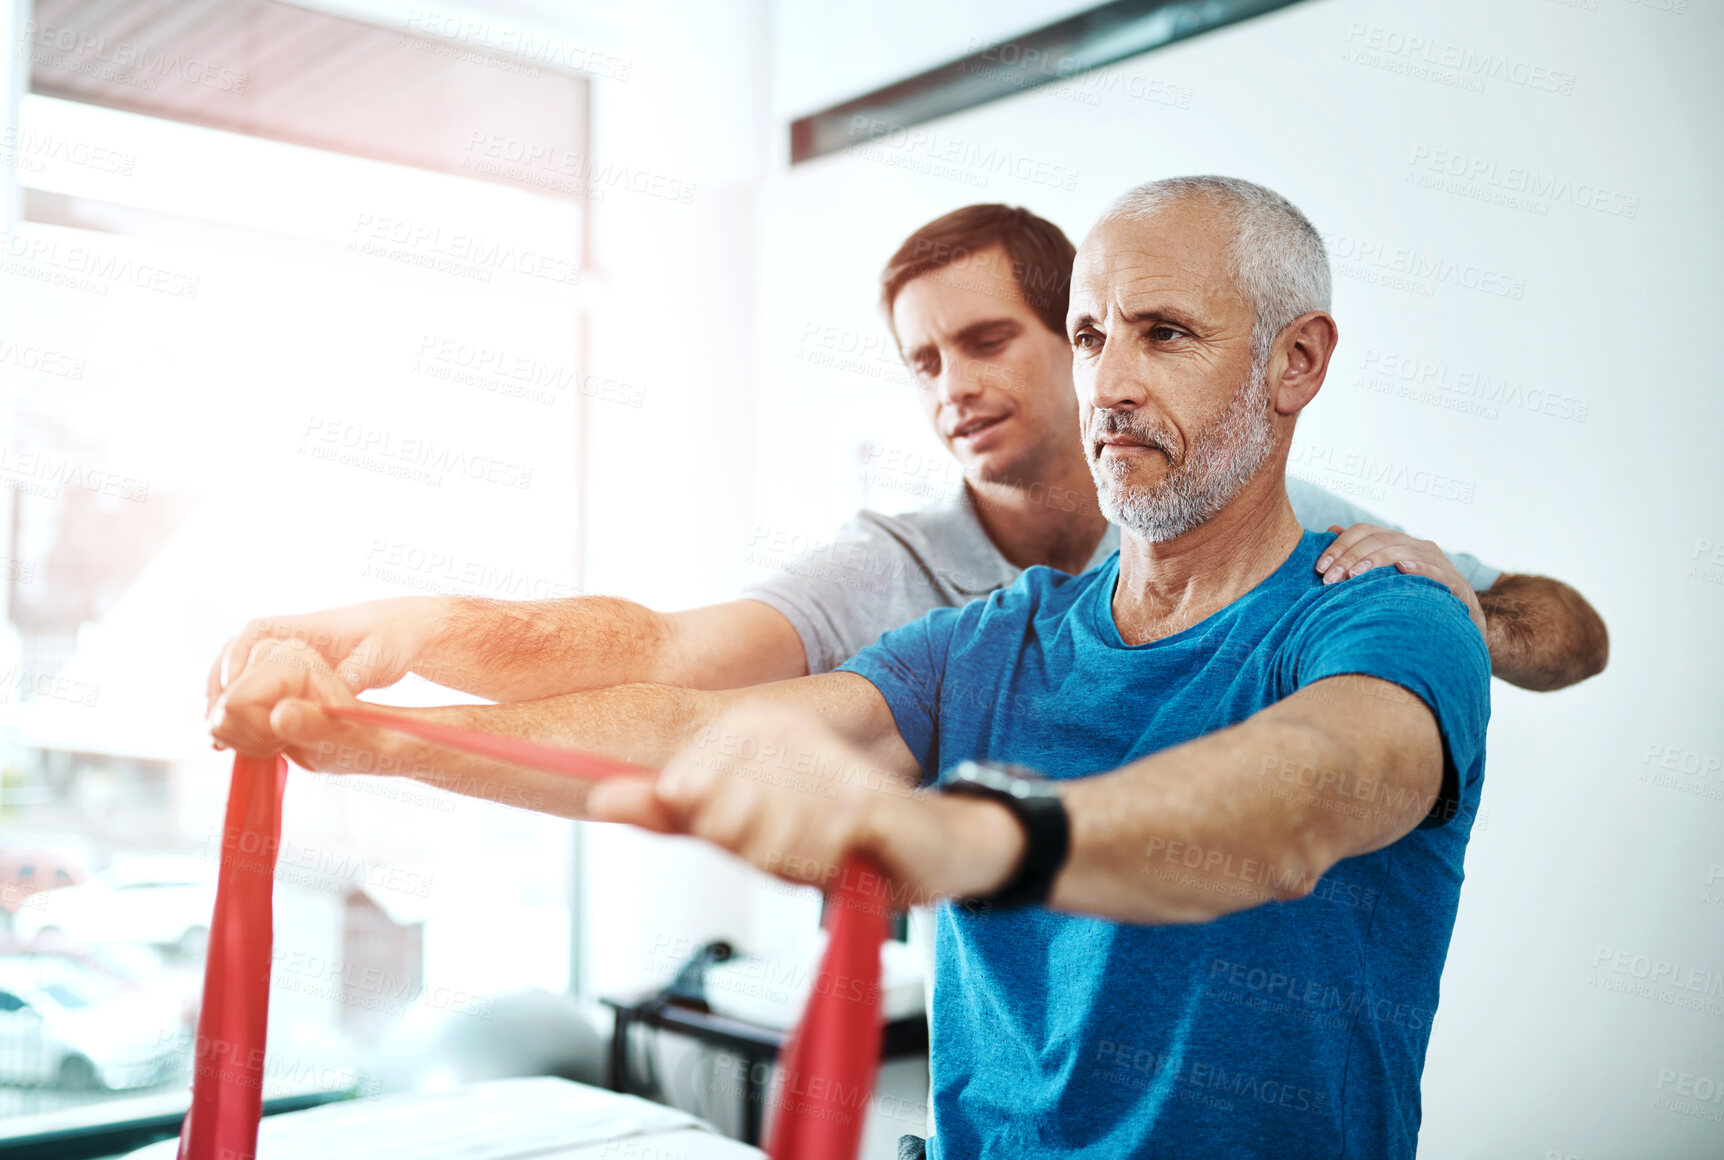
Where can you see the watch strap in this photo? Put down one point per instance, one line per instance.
(1047, 843)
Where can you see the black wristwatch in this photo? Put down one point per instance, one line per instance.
(1035, 803)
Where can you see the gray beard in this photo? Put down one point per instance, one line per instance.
(1215, 468)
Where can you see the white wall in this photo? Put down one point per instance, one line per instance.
(1538, 1050)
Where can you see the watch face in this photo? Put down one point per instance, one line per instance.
(1016, 780)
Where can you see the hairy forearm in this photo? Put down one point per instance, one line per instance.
(641, 724)
(1542, 634)
(529, 650)
(644, 724)
(1251, 814)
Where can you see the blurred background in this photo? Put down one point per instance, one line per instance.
(312, 303)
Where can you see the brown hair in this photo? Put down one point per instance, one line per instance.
(1040, 255)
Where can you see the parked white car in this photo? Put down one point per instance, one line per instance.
(159, 899)
(64, 1026)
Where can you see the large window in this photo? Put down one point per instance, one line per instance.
(241, 378)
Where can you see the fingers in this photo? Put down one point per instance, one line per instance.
(727, 819)
(687, 779)
(230, 663)
(239, 718)
(1364, 546)
(633, 800)
(315, 740)
(1365, 553)
(749, 785)
(300, 723)
(712, 796)
(385, 650)
(274, 671)
(773, 845)
(1343, 543)
(218, 677)
(367, 666)
(331, 634)
(821, 848)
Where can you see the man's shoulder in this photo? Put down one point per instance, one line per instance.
(1042, 592)
(1305, 607)
(1416, 614)
(1381, 587)
(1042, 579)
(1372, 586)
(944, 538)
(934, 520)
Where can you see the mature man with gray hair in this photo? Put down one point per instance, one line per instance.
(1279, 266)
(1197, 818)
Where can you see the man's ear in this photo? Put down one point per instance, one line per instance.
(1301, 360)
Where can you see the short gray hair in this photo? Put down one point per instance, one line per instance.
(1277, 256)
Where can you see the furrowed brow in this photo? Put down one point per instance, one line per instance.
(1163, 314)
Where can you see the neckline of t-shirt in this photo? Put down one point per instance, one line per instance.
(959, 547)
(1006, 571)
(1101, 593)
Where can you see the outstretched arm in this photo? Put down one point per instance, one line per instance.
(278, 706)
(520, 650)
(1229, 821)
(1541, 633)
(1219, 824)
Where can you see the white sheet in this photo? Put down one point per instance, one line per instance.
(498, 1120)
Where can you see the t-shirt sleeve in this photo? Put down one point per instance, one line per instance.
(1413, 632)
(907, 665)
(1317, 509)
(837, 594)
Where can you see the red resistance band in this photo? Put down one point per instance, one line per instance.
(828, 1065)
(227, 1075)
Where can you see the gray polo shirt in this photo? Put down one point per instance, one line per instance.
(882, 571)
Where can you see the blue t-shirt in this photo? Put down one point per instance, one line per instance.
(1289, 1030)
